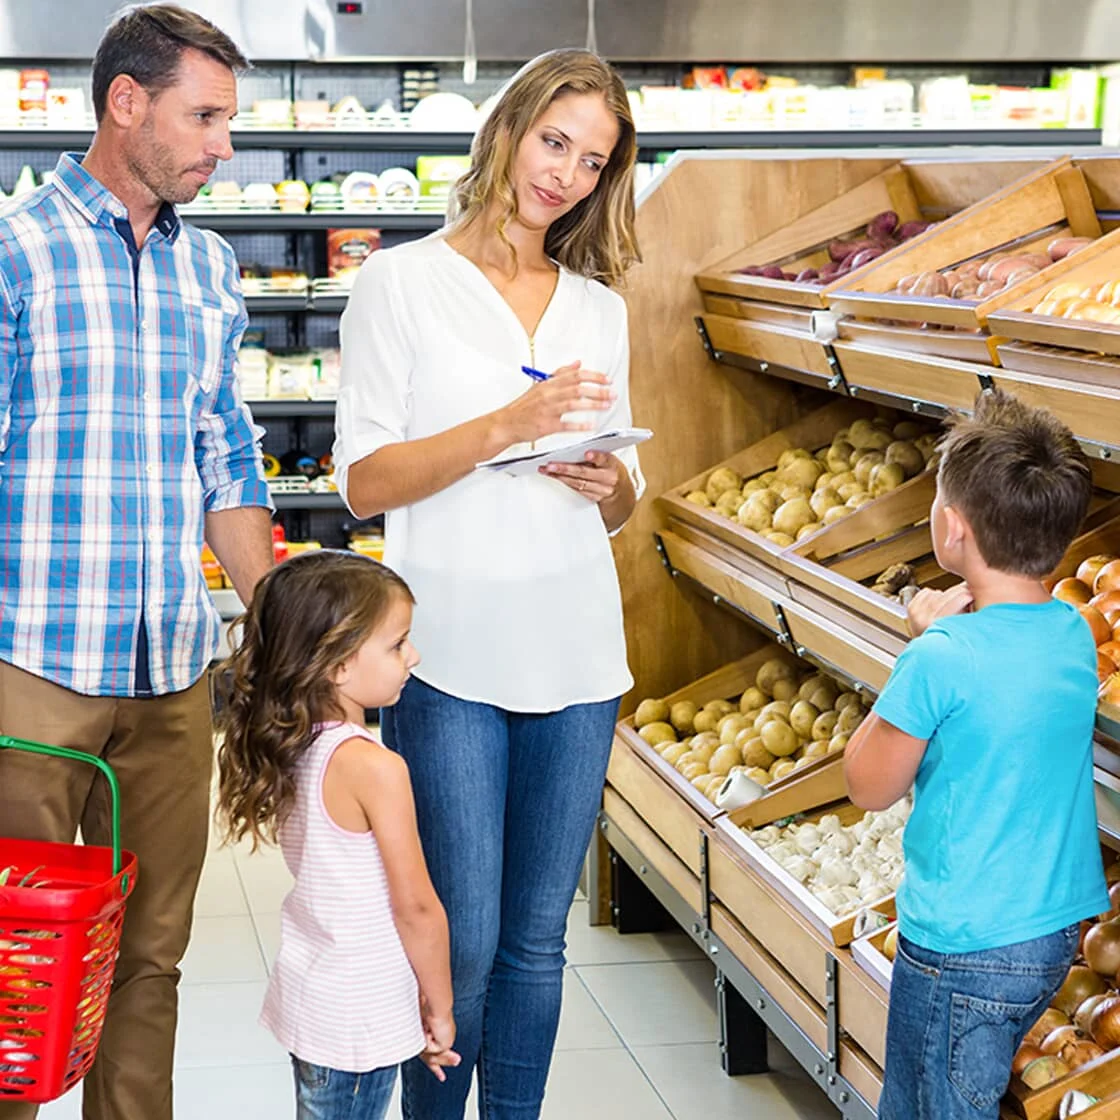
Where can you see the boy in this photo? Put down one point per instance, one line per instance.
(989, 713)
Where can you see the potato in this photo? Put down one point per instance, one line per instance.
(753, 698)
(837, 743)
(825, 499)
(672, 752)
(779, 709)
(721, 479)
(907, 456)
(706, 720)
(757, 774)
(848, 489)
(773, 670)
(927, 444)
(802, 716)
(698, 498)
(791, 515)
(781, 768)
(808, 530)
(801, 472)
(782, 540)
(754, 753)
(788, 491)
(859, 499)
(753, 487)
(785, 690)
(756, 513)
(730, 725)
(838, 455)
(659, 732)
(720, 707)
(708, 739)
(824, 727)
(879, 440)
(681, 715)
(791, 454)
(651, 711)
(726, 757)
(823, 696)
(837, 513)
(694, 770)
(779, 738)
(930, 284)
(846, 700)
(858, 434)
(886, 477)
(868, 461)
(728, 502)
(767, 477)
(816, 749)
(712, 788)
(850, 718)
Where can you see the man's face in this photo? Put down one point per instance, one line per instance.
(183, 132)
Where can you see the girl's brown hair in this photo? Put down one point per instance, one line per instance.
(595, 238)
(308, 616)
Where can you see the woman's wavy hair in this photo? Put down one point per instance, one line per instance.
(308, 616)
(596, 238)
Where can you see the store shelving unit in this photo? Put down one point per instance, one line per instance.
(701, 383)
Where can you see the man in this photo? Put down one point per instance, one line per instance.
(123, 441)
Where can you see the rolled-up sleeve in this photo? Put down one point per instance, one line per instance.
(227, 442)
(377, 356)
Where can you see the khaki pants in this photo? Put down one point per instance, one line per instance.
(162, 752)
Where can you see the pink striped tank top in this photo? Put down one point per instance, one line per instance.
(342, 992)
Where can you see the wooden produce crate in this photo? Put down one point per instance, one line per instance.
(1100, 1078)
(863, 1004)
(834, 929)
(1024, 217)
(771, 320)
(824, 775)
(812, 431)
(1088, 270)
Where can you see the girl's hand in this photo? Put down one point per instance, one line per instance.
(597, 478)
(439, 1034)
(540, 411)
(928, 606)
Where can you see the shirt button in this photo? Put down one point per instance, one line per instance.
(147, 395)
(149, 469)
(144, 325)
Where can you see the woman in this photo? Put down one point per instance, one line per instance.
(507, 724)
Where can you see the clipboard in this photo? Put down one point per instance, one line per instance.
(613, 440)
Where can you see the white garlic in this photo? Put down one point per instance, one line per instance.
(764, 837)
(782, 850)
(842, 844)
(837, 873)
(830, 823)
(801, 868)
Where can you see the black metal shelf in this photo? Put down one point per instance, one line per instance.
(279, 409)
(411, 140)
(313, 305)
(279, 222)
(332, 502)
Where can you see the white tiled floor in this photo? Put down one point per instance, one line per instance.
(637, 1036)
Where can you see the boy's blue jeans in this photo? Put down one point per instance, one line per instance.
(330, 1094)
(956, 1020)
(506, 804)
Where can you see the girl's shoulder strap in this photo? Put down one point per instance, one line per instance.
(330, 735)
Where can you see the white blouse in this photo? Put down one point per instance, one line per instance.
(517, 598)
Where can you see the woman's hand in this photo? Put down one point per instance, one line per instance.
(597, 478)
(540, 411)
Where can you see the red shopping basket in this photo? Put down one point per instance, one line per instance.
(58, 949)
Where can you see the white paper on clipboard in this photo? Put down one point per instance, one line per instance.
(609, 441)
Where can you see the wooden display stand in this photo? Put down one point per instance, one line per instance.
(704, 216)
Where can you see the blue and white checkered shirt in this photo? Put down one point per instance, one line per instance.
(121, 425)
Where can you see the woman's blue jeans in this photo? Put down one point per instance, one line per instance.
(506, 804)
(956, 1020)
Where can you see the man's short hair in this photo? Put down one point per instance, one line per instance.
(147, 43)
(1020, 479)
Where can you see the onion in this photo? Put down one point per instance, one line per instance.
(1087, 570)
(1080, 1052)
(1059, 1037)
(1080, 983)
(1105, 667)
(1085, 1011)
(1112, 872)
(1114, 900)
(1049, 1020)
(1024, 1056)
(1102, 947)
(1107, 603)
(1108, 578)
(1098, 624)
(1109, 692)
(1042, 1071)
(1111, 648)
(1072, 591)
(1104, 1023)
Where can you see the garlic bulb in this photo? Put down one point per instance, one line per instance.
(764, 837)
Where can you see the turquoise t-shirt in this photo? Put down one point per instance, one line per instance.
(1002, 844)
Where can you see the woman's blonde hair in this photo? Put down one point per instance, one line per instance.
(596, 237)
(307, 617)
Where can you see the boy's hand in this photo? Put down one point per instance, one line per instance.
(928, 606)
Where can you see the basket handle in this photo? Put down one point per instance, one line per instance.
(8, 743)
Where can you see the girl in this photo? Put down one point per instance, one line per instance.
(507, 734)
(362, 980)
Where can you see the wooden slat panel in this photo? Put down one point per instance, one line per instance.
(1092, 412)
(767, 343)
(863, 1007)
(859, 659)
(934, 380)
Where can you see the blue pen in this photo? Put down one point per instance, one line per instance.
(535, 374)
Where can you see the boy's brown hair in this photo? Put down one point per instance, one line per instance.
(1020, 480)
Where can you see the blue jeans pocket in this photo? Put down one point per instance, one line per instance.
(311, 1076)
(982, 1036)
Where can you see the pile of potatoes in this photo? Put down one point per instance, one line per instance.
(980, 279)
(1096, 303)
(806, 490)
(782, 722)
